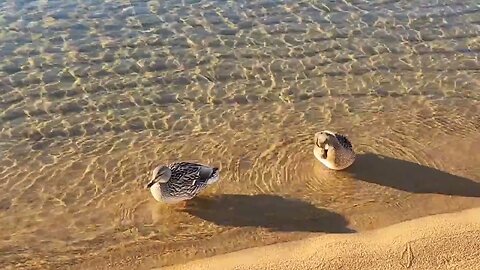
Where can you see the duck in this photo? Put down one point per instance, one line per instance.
(180, 181)
(333, 150)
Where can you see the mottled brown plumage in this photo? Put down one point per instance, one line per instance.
(180, 181)
(333, 150)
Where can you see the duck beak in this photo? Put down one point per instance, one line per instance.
(149, 184)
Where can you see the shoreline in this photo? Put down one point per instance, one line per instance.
(442, 241)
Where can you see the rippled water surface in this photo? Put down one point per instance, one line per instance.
(94, 94)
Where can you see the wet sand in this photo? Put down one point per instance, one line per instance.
(446, 241)
(95, 94)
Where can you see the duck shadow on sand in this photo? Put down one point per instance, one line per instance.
(267, 211)
(410, 177)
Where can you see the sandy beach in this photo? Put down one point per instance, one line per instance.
(95, 94)
(445, 241)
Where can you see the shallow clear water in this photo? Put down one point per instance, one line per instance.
(95, 94)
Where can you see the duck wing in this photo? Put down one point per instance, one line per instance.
(343, 141)
(191, 174)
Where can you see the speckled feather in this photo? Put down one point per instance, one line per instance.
(342, 156)
(343, 141)
(187, 180)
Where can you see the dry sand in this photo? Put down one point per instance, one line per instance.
(445, 241)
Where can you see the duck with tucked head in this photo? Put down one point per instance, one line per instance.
(180, 181)
(333, 150)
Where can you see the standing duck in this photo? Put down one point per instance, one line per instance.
(180, 181)
(333, 150)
